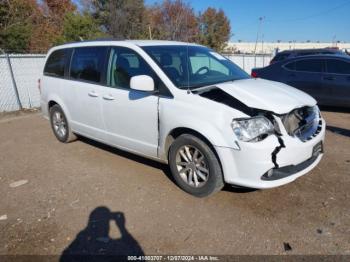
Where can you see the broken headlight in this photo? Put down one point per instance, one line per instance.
(252, 129)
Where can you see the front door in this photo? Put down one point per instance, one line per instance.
(337, 80)
(308, 77)
(130, 116)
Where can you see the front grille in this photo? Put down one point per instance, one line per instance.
(304, 123)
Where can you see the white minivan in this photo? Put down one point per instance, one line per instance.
(185, 105)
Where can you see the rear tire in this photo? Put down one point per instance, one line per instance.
(195, 167)
(60, 125)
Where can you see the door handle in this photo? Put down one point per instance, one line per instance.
(108, 97)
(93, 94)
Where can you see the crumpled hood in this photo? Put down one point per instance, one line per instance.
(267, 95)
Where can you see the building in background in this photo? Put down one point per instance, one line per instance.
(271, 47)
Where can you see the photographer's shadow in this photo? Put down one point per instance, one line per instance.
(94, 240)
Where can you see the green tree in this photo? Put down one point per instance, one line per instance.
(16, 24)
(215, 29)
(120, 18)
(78, 27)
(173, 20)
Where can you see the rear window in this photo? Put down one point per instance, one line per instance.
(310, 65)
(338, 66)
(56, 63)
(88, 63)
(280, 57)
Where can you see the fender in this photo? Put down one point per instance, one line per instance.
(206, 129)
(54, 97)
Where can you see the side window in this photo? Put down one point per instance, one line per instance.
(335, 66)
(290, 66)
(88, 63)
(280, 57)
(310, 65)
(125, 63)
(56, 63)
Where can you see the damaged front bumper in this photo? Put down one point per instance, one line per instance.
(275, 161)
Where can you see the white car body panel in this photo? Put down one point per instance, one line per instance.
(267, 95)
(86, 117)
(141, 123)
(131, 120)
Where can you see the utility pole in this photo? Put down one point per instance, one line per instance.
(150, 32)
(334, 41)
(257, 38)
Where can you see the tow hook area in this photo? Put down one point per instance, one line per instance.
(277, 150)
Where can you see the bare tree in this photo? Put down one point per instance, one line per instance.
(173, 20)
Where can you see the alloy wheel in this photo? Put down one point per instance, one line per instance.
(192, 166)
(59, 124)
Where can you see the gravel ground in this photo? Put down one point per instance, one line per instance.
(85, 197)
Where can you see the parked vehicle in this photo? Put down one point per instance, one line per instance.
(288, 54)
(325, 77)
(185, 105)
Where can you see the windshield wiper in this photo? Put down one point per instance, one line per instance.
(203, 89)
(199, 86)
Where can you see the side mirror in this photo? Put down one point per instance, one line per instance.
(142, 83)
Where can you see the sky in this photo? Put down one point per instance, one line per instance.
(292, 20)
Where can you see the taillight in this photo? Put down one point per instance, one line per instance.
(39, 85)
(254, 74)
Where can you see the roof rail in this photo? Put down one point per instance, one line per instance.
(98, 40)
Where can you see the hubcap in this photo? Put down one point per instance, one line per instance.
(192, 166)
(59, 124)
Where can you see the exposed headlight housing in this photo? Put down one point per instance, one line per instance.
(252, 129)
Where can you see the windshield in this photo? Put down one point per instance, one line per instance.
(194, 66)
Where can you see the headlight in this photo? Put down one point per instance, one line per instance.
(252, 129)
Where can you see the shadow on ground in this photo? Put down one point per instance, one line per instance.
(136, 158)
(93, 243)
(145, 161)
(339, 130)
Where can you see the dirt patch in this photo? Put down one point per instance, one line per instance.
(67, 186)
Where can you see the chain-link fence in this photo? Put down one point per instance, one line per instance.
(247, 61)
(19, 74)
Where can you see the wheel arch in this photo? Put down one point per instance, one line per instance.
(178, 131)
(55, 100)
(51, 103)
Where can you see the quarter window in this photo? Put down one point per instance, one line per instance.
(310, 65)
(338, 67)
(280, 57)
(88, 63)
(56, 63)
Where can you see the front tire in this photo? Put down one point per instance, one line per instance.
(60, 125)
(195, 167)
